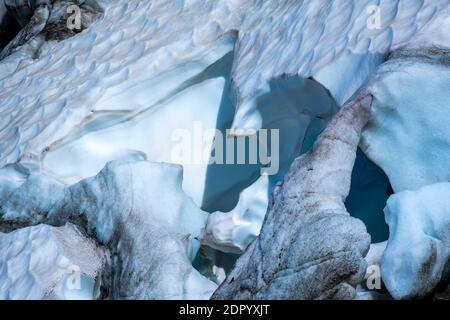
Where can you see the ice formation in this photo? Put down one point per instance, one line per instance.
(407, 108)
(234, 231)
(370, 189)
(290, 259)
(135, 42)
(70, 103)
(407, 136)
(264, 269)
(420, 221)
(121, 207)
(44, 262)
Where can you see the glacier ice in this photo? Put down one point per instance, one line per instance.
(375, 253)
(406, 110)
(407, 137)
(418, 249)
(233, 231)
(290, 259)
(145, 68)
(44, 262)
(370, 189)
(200, 102)
(135, 41)
(121, 208)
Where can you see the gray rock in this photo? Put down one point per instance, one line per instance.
(309, 247)
(48, 19)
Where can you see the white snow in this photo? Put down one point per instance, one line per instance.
(139, 41)
(118, 90)
(45, 262)
(375, 253)
(407, 135)
(234, 231)
(140, 211)
(148, 136)
(419, 243)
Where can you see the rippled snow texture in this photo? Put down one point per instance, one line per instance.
(45, 262)
(137, 41)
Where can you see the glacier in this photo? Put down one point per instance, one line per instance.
(120, 208)
(87, 123)
(419, 219)
(44, 262)
(397, 137)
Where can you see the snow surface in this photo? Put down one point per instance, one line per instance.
(234, 231)
(136, 41)
(418, 249)
(117, 90)
(407, 135)
(45, 262)
(139, 210)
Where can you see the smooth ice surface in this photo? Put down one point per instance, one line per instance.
(419, 241)
(149, 136)
(407, 135)
(138, 124)
(233, 231)
(45, 262)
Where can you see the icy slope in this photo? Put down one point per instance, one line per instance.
(147, 68)
(407, 135)
(45, 262)
(419, 243)
(138, 41)
(139, 211)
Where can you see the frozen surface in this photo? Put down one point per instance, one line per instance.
(137, 41)
(137, 209)
(309, 246)
(234, 231)
(305, 108)
(407, 135)
(419, 242)
(149, 136)
(45, 262)
(118, 90)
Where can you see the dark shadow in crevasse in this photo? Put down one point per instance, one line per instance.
(369, 192)
(299, 108)
(9, 28)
